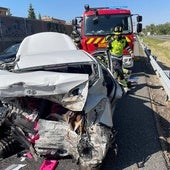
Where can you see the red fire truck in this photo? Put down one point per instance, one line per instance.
(96, 23)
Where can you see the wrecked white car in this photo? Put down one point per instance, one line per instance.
(59, 100)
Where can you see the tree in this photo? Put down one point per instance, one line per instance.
(161, 29)
(9, 13)
(31, 13)
(39, 16)
(152, 29)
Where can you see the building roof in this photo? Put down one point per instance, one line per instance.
(2, 8)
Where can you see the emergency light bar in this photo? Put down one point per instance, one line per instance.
(87, 7)
(124, 6)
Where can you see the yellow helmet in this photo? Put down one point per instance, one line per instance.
(117, 30)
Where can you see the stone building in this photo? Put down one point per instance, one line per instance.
(51, 19)
(3, 11)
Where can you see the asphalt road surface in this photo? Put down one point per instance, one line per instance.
(137, 138)
(138, 141)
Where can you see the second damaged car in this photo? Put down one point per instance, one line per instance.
(59, 101)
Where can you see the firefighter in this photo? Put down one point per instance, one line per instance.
(76, 37)
(116, 45)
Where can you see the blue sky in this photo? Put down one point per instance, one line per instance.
(153, 12)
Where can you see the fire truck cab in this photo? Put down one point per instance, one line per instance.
(96, 23)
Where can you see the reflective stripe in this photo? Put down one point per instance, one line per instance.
(90, 40)
(97, 40)
(117, 57)
(128, 39)
(103, 40)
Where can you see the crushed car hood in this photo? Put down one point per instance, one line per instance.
(51, 58)
(70, 90)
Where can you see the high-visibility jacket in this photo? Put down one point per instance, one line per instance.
(117, 44)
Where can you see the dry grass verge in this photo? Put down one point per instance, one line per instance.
(159, 48)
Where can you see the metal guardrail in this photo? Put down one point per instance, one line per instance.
(163, 75)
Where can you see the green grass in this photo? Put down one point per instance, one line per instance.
(159, 48)
(151, 40)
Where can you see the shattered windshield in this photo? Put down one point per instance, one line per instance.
(82, 68)
(103, 24)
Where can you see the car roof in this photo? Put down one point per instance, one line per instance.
(45, 42)
(49, 48)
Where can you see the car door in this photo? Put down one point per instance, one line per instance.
(114, 90)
